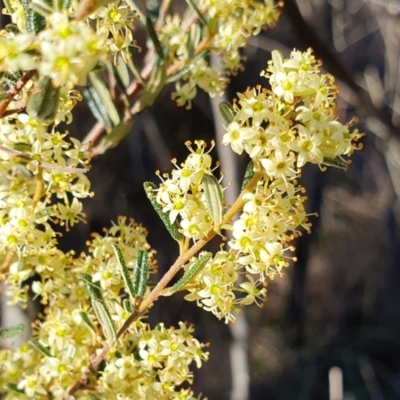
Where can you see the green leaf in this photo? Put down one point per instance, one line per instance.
(22, 147)
(149, 188)
(95, 292)
(127, 306)
(194, 7)
(86, 320)
(227, 111)
(136, 73)
(88, 280)
(96, 106)
(14, 388)
(213, 198)
(7, 333)
(100, 308)
(277, 59)
(115, 136)
(64, 4)
(140, 275)
(154, 38)
(194, 269)
(248, 176)
(28, 16)
(193, 40)
(185, 69)
(44, 350)
(38, 22)
(124, 271)
(11, 78)
(122, 72)
(43, 103)
(104, 317)
(105, 97)
(153, 8)
(44, 212)
(157, 81)
(336, 162)
(34, 22)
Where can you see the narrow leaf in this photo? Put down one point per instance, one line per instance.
(158, 80)
(149, 187)
(136, 73)
(22, 147)
(44, 350)
(115, 136)
(153, 8)
(104, 317)
(154, 38)
(194, 269)
(140, 274)
(64, 4)
(194, 7)
(193, 40)
(248, 176)
(44, 212)
(99, 307)
(86, 320)
(277, 59)
(38, 22)
(28, 16)
(122, 72)
(143, 267)
(124, 270)
(95, 292)
(43, 103)
(105, 97)
(227, 111)
(127, 306)
(185, 69)
(88, 280)
(180, 74)
(96, 106)
(10, 332)
(335, 162)
(213, 198)
(14, 388)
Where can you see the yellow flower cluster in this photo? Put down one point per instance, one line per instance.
(228, 26)
(155, 360)
(280, 129)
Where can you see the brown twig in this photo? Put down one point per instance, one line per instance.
(13, 111)
(162, 13)
(6, 263)
(15, 90)
(156, 292)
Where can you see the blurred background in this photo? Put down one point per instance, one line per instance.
(339, 304)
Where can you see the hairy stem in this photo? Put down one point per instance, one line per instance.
(156, 292)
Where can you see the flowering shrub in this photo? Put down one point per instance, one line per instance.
(92, 341)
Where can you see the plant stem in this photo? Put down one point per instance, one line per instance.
(156, 292)
(15, 90)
